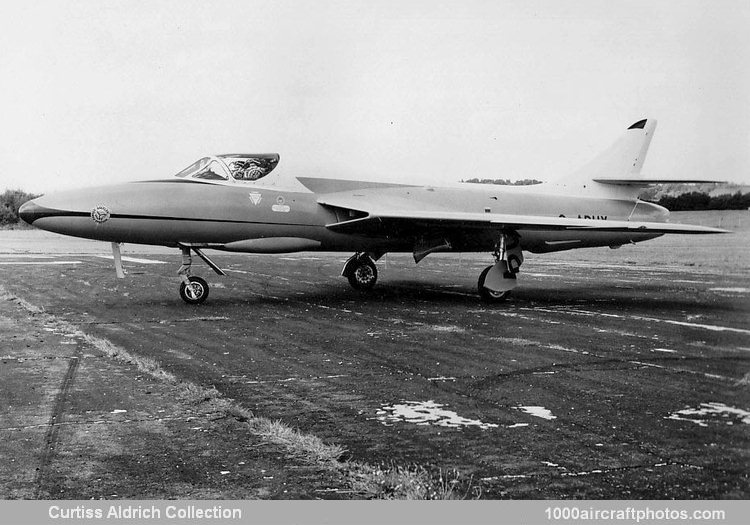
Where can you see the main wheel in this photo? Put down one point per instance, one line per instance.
(488, 295)
(196, 292)
(363, 274)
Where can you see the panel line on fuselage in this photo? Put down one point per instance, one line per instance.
(61, 213)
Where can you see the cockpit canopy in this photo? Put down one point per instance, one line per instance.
(237, 167)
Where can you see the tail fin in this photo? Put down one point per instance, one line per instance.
(623, 160)
(620, 165)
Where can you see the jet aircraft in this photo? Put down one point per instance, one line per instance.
(235, 203)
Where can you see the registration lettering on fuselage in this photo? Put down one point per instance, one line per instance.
(593, 217)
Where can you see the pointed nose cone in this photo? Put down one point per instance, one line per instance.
(31, 211)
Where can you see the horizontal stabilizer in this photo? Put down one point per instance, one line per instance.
(649, 182)
(617, 170)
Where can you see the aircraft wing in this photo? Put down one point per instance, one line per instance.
(382, 222)
(398, 215)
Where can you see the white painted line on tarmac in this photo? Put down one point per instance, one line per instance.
(711, 327)
(505, 476)
(292, 379)
(131, 259)
(652, 365)
(587, 313)
(37, 263)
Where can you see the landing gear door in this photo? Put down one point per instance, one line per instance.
(499, 279)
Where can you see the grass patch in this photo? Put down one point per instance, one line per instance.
(193, 394)
(32, 309)
(410, 483)
(307, 447)
(144, 364)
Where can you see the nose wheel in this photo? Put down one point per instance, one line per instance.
(195, 291)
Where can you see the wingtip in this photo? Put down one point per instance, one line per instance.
(639, 125)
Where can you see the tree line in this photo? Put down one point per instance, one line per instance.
(504, 182)
(695, 201)
(10, 201)
(691, 201)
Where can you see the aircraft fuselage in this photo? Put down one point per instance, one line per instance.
(248, 218)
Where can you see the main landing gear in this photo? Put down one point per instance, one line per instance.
(361, 271)
(496, 282)
(194, 290)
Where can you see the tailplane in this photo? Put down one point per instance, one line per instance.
(618, 169)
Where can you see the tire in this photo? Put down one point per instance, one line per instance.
(196, 293)
(363, 274)
(487, 295)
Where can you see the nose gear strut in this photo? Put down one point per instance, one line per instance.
(193, 289)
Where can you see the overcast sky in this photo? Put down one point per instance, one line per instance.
(421, 91)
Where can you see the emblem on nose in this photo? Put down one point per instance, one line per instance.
(100, 214)
(280, 206)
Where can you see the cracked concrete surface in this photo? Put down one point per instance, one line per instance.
(76, 424)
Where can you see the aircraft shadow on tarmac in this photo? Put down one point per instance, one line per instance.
(648, 297)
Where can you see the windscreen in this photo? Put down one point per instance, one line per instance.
(207, 168)
(194, 168)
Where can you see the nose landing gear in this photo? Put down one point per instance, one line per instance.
(193, 289)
